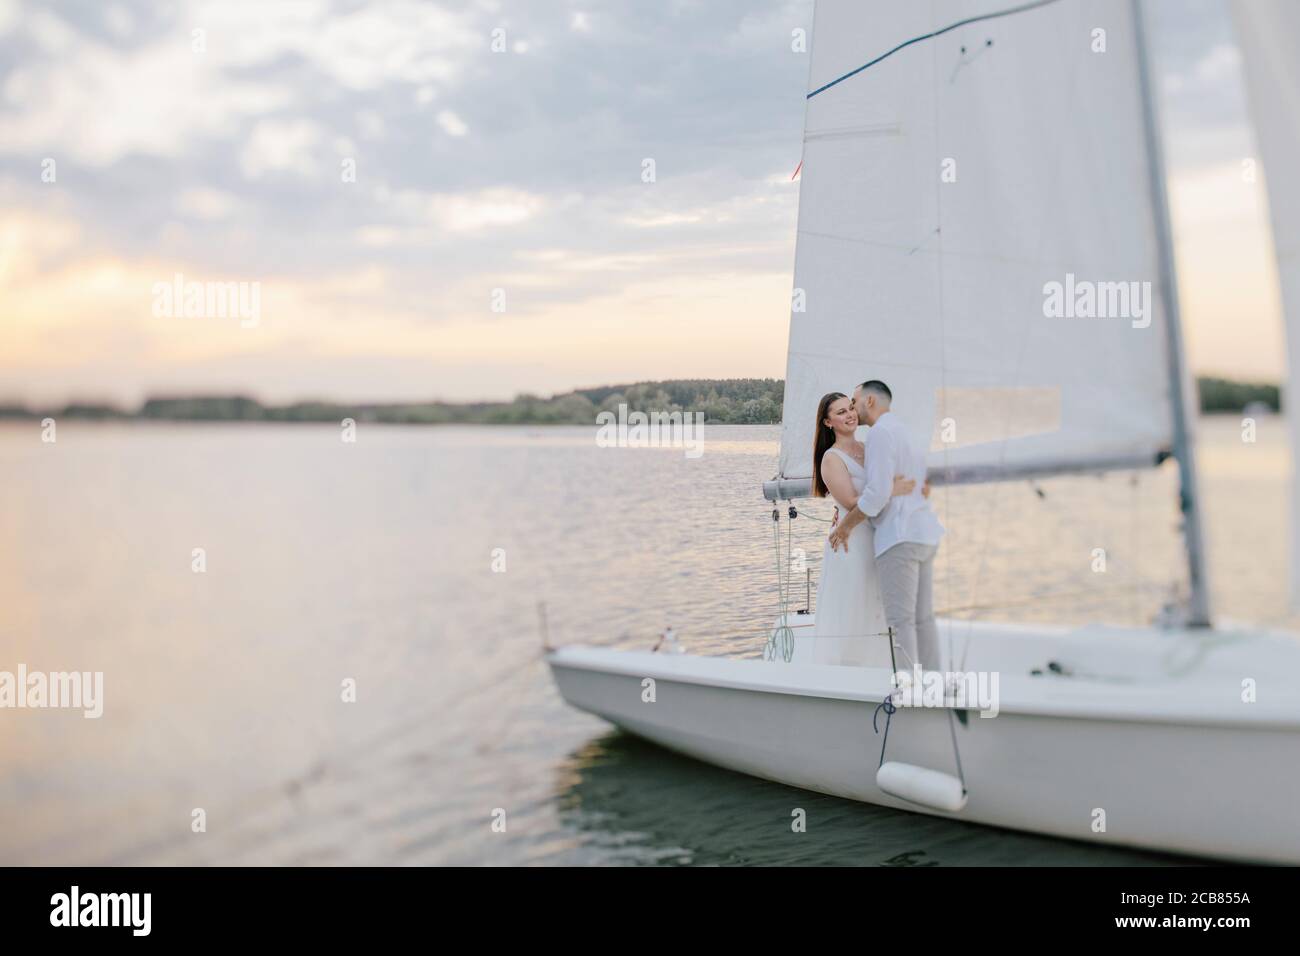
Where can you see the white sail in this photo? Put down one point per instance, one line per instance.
(954, 193)
(1268, 32)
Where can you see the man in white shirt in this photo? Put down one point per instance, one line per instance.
(907, 531)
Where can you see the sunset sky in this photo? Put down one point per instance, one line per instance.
(475, 170)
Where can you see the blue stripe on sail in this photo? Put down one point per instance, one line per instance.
(930, 36)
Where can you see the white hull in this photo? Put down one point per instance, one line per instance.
(1169, 750)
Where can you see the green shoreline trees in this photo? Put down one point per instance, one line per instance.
(732, 401)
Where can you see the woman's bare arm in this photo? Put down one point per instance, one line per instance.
(841, 488)
(836, 475)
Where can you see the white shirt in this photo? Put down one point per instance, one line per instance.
(890, 452)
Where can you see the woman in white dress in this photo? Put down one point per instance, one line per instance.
(850, 618)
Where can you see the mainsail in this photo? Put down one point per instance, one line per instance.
(977, 228)
(1268, 32)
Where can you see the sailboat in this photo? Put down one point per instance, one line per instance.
(965, 163)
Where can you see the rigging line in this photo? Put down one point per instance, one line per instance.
(780, 640)
(737, 637)
(943, 376)
(1023, 8)
(1140, 586)
(956, 751)
(943, 386)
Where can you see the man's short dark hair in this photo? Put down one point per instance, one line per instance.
(879, 387)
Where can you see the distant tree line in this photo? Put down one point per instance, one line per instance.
(734, 401)
(1222, 395)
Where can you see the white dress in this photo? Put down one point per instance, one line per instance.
(849, 627)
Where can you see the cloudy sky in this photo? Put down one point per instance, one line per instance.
(221, 155)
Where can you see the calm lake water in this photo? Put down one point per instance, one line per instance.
(373, 562)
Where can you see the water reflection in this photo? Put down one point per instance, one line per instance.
(373, 562)
(634, 803)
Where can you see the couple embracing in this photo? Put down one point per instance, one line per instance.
(878, 563)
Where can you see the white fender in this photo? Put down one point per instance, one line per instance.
(930, 788)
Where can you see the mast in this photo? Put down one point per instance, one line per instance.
(1179, 383)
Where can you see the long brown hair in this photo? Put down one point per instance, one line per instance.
(825, 438)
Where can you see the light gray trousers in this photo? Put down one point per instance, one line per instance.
(906, 573)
